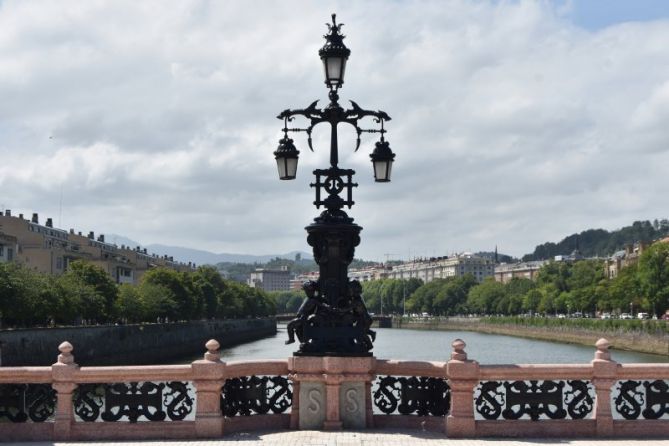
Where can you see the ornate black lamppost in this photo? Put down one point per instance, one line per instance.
(333, 320)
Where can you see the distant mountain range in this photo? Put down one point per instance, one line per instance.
(201, 257)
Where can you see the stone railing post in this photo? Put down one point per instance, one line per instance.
(295, 409)
(332, 420)
(463, 376)
(62, 374)
(604, 372)
(331, 392)
(208, 378)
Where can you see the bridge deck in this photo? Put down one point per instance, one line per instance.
(359, 438)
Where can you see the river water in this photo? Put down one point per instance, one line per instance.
(423, 345)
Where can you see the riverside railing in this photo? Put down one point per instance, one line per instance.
(209, 398)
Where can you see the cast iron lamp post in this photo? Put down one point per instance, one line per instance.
(333, 320)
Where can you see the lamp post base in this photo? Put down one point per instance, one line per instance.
(331, 338)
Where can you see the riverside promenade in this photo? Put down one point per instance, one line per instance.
(360, 438)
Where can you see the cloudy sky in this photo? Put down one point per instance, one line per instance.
(514, 122)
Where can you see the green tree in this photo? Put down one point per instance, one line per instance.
(158, 302)
(83, 273)
(180, 291)
(209, 284)
(654, 277)
(129, 305)
(486, 297)
(89, 304)
(532, 300)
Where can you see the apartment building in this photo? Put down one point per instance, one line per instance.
(297, 282)
(457, 265)
(427, 270)
(50, 250)
(270, 279)
(522, 270)
(625, 257)
(7, 247)
(367, 274)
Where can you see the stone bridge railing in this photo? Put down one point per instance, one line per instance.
(209, 398)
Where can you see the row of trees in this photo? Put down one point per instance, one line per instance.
(87, 293)
(560, 287)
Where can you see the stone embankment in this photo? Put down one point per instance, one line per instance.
(128, 344)
(623, 340)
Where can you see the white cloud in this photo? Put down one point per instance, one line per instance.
(511, 125)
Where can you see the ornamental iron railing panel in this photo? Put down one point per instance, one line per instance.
(27, 402)
(633, 399)
(407, 395)
(257, 395)
(134, 401)
(534, 399)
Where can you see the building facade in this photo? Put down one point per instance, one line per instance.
(623, 258)
(457, 265)
(270, 279)
(50, 250)
(522, 270)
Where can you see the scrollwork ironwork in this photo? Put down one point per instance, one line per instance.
(418, 395)
(516, 399)
(256, 394)
(649, 399)
(116, 401)
(22, 402)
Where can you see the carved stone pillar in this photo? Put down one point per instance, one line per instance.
(463, 376)
(64, 384)
(208, 378)
(331, 392)
(604, 372)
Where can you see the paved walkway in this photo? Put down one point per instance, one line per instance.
(363, 438)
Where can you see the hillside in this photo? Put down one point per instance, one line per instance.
(202, 257)
(600, 242)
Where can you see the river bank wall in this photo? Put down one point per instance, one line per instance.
(621, 340)
(135, 344)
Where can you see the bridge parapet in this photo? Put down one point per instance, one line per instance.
(209, 398)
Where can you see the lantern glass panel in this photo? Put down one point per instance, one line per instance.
(334, 70)
(287, 168)
(382, 171)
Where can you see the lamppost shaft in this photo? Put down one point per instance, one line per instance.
(334, 149)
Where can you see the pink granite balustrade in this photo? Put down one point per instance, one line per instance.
(600, 399)
(402, 370)
(257, 368)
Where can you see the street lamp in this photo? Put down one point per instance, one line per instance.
(286, 158)
(334, 55)
(333, 320)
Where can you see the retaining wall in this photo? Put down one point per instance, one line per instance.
(632, 341)
(128, 344)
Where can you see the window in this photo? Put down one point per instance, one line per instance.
(2, 250)
(10, 254)
(59, 263)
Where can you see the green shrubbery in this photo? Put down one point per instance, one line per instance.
(622, 325)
